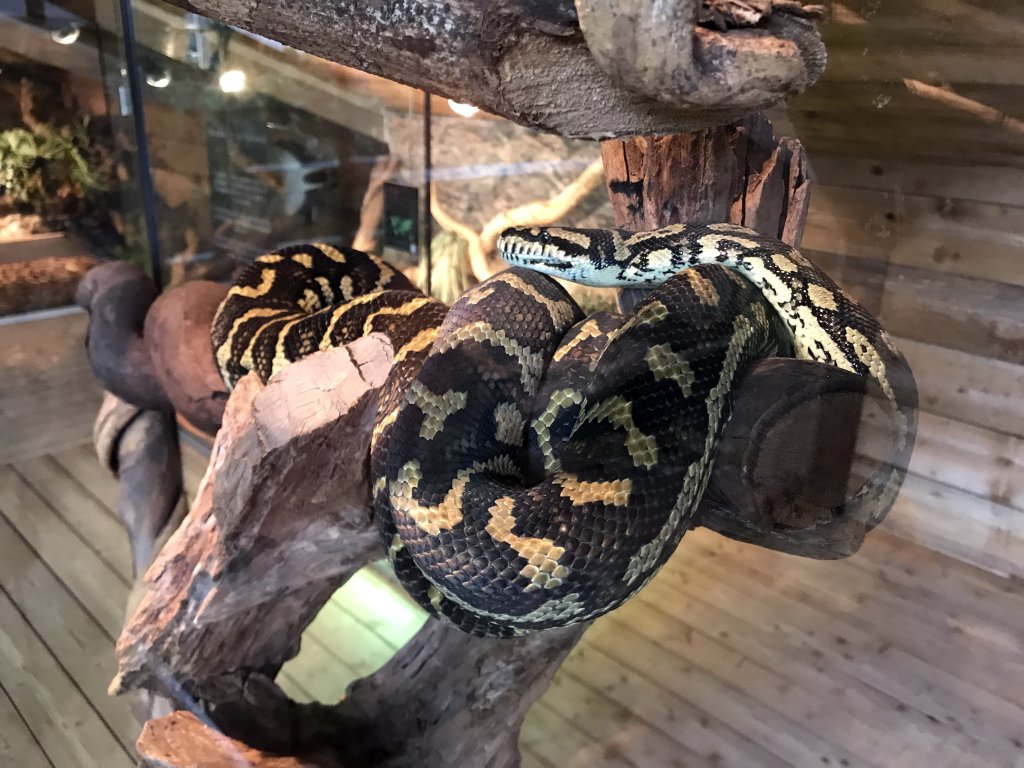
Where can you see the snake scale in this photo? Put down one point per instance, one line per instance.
(533, 467)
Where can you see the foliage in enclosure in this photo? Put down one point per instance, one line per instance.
(49, 168)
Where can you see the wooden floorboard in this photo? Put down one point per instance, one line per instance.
(18, 745)
(60, 716)
(732, 657)
(758, 663)
(552, 739)
(65, 570)
(81, 463)
(870, 657)
(669, 691)
(989, 649)
(761, 662)
(70, 501)
(80, 645)
(603, 697)
(101, 591)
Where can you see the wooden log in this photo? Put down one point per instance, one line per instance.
(660, 50)
(777, 480)
(153, 351)
(528, 62)
(177, 334)
(281, 520)
(141, 449)
(738, 173)
(785, 460)
(487, 684)
(469, 696)
(117, 296)
(182, 739)
(488, 687)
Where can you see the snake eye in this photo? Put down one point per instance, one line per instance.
(545, 236)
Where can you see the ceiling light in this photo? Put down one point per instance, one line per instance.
(65, 35)
(158, 79)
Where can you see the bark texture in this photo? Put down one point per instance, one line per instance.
(738, 173)
(183, 739)
(282, 519)
(659, 49)
(527, 60)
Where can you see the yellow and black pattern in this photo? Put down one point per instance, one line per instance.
(287, 304)
(823, 322)
(534, 468)
(534, 494)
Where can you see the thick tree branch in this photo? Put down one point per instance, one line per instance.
(527, 61)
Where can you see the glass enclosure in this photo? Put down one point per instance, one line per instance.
(910, 653)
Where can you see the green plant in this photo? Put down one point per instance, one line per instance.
(47, 166)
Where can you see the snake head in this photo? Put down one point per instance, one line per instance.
(588, 256)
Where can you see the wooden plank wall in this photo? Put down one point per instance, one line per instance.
(916, 137)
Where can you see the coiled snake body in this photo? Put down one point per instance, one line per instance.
(534, 468)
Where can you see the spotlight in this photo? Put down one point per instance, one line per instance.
(161, 78)
(66, 35)
(463, 110)
(232, 81)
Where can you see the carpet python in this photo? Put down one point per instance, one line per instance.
(533, 467)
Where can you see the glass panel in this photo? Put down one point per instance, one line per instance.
(62, 168)
(254, 145)
(907, 653)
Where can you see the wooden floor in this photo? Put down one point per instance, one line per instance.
(733, 656)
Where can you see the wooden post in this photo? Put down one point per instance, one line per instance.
(737, 173)
(787, 452)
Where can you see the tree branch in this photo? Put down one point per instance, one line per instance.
(526, 60)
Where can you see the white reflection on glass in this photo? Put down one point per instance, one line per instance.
(232, 81)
